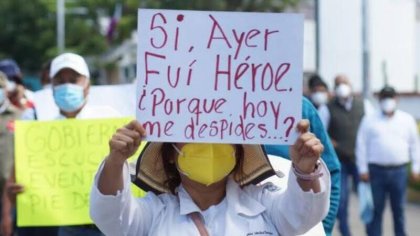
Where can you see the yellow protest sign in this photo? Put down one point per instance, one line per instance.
(56, 162)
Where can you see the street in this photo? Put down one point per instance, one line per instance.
(412, 215)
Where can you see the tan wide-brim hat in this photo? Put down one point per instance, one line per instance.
(151, 176)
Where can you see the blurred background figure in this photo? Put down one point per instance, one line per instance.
(30, 112)
(8, 114)
(19, 96)
(318, 90)
(319, 95)
(70, 79)
(342, 118)
(45, 75)
(386, 142)
(12, 71)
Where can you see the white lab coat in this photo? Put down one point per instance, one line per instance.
(252, 210)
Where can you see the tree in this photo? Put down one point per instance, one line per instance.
(129, 20)
(27, 32)
(29, 27)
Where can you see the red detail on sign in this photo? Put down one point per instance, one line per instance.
(11, 126)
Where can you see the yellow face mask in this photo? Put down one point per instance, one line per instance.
(206, 163)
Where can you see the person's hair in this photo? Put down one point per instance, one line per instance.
(387, 92)
(315, 81)
(168, 155)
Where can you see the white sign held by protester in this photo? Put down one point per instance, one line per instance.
(222, 77)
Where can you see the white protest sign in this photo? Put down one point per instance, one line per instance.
(222, 77)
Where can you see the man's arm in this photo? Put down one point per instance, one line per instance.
(6, 227)
(414, 148)
(361, 152)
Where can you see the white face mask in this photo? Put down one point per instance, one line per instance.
(11, 85)
(388, 105)
(343, 91)
(319, 98)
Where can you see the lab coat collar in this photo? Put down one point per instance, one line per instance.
(186, 204)
(238, 201)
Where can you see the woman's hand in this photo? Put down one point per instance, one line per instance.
(305, 154)
(307, 149)
(125, 142)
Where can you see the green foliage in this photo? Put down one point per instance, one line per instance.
(26, 31)
(29, 27)
(29, 30)
(129, 19)
(415, 186)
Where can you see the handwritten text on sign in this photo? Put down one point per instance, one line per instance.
(219, 76)
(56, 162)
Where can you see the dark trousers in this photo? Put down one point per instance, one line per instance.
(392, 182)
(37, 231)
(348, 171)
(85, 230)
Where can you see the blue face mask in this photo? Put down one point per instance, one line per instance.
(69, 97)
(2, 96)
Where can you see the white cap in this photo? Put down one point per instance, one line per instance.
(71, 61)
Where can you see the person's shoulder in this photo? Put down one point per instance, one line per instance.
(332, 102)
(358, 98)
(404, 115)
(163, 197)
(323, 108)
(372, 116)
(28, 114)
(158, 202)
(277, 182)
(92, 112)
(307, 105)
(306, 100)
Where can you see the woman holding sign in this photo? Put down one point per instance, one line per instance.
(208, 189)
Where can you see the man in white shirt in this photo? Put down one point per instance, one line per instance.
(386, 141)
(70, 84)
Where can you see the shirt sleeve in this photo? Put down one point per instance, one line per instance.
(121, 214)
(414, 144)
(28, 114)
(324, 115)
(294, 211)
(361, 146)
